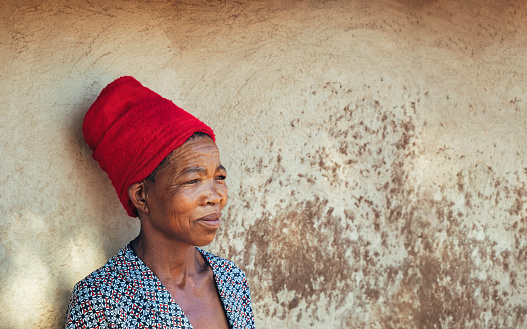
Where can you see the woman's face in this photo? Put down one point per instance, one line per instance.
(186, 199)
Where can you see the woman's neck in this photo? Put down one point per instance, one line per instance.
(169, 260)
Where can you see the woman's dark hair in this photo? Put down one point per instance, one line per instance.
(166, 161)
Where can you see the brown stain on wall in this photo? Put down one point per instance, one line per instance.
(440, 275)
(300, 260)
(439, 282)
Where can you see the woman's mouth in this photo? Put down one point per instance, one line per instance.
(211, 220)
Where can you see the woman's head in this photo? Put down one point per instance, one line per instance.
(183, 200)
(131, 129)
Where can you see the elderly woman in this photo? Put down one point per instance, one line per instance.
(166, 169)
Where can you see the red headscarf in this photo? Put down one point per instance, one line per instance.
(131, 129)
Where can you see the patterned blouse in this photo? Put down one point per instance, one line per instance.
(125, 293)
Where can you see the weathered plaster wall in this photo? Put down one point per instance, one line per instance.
(376, 152)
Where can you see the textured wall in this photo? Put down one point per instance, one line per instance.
(376, 152)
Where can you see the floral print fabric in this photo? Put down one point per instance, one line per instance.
(125, 293)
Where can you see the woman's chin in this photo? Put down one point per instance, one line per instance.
(206, 240)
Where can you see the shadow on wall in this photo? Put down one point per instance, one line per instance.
(93, 189)
(40, 269)
(48, 246)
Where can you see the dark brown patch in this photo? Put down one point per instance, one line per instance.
(413, 261)
(295, 257)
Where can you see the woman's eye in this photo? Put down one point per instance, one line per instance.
(194, 181)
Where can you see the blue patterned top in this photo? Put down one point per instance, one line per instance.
(125, 293)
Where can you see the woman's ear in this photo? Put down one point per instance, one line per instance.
(137, 195)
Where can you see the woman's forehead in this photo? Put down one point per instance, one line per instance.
(197, 152)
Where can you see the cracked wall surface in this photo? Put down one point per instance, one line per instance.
(375, 150)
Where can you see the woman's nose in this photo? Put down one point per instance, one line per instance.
(212, 196)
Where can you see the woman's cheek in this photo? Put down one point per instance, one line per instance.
(225, 192)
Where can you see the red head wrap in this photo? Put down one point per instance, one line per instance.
(131, 129)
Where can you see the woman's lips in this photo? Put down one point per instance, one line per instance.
(212, 220)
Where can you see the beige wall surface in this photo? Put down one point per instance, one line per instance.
(375, 148)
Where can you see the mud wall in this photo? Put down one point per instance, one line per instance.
(376, 152)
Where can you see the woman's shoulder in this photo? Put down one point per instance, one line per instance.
(100, 291)
(115, 270)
